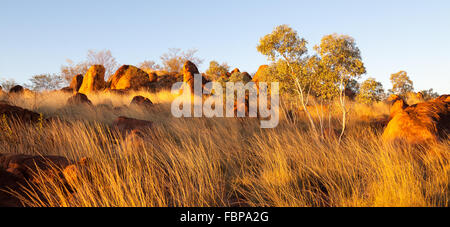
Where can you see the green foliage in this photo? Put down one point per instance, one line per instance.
(240, 77)
(354, 86)
(280, 72)
(341, 58)
(283, 42)
(429, 94)
(337, 66)
(285, 49)
(217, 70)
(370, 91)
(323, 84)
(401, 84)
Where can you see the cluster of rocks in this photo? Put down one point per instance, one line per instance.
(126, 78)
(129, 77)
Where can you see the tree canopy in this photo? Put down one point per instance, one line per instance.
(401, 83)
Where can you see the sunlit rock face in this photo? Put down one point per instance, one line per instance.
(419, 123)
(258, 74)
(94, 80)
(129, 77)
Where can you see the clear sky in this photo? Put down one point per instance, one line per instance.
(38, 36)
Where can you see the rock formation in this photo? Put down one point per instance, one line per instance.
(76, 83)
(17, 113)
(419, 123)
(16, 89)
(18, 170)
(94, 80)
(141, 102)
(153, 77)
(189, 71)
(129, 77)
(79, 99)
(261, 70)
(236, 70)
(246, 77)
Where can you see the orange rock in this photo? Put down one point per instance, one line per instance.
(153, 77)
(79, 99)
(17, 113)
(76, 83)
(258, 74)
(129, 77)
(94, 80)
(189, 71)
(141, 102)
(419, 123)
(2, 93)
(236, 70)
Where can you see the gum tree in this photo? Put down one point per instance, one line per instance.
(216, 70)
(401, 84)
(370, 91)
(342, 60)
(286, 50)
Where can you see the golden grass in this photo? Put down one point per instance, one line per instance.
(226, 162)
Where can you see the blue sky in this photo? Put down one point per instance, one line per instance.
(38, 36)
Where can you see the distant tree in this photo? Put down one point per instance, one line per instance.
(429, 94)
(173, 60)
(103, 57)
(216, 70)
(7, 84)
(71, 70)
(149, 66)
(240, 77)
(46, 82)
(370, 91)
(401, 84)
(342, 59)
(354, 86)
